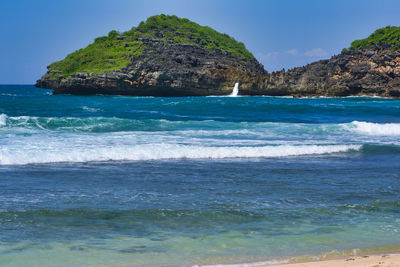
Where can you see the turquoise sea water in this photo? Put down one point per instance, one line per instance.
(135, 181)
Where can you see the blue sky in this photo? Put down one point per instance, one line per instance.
(281, 34)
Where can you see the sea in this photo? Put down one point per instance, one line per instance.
(191, 181)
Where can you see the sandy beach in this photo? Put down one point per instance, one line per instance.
(387, 260)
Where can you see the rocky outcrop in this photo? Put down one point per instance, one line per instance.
(351, 73)
(164, 70)
(164, 56)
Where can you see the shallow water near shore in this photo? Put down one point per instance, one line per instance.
(111, 180)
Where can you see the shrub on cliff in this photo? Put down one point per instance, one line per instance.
(388, 37)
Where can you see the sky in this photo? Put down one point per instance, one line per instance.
(279, 33)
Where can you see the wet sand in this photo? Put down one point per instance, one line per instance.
(387, 260)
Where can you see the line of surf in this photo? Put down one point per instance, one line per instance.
(113, 124)
(162, 151)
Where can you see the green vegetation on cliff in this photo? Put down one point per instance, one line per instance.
(185, 31)
(106, 53)
(388, 37)
(117, 49)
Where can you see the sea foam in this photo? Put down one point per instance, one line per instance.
(375, 128)
(114, 124)
(161, 151)
(3, 119)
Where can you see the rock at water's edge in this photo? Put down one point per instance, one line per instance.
(351, 73)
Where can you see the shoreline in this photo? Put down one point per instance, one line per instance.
(386, 256)
(239, 95)
(381, 260)
(370, 260)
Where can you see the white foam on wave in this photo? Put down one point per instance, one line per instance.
(158, 151)
(90, 109)
(269, 130)
(375, 128)
(3, 119)
(5, 94)
(367, 96)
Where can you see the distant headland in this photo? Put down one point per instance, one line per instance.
(171, 56)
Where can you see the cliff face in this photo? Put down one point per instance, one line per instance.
(353, 72)
(165, 57)
(371, 66)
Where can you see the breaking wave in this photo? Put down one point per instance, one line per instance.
(164, 151)
(70, 139)
(375, 128)
(113, 124)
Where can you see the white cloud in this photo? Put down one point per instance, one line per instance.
(316, 52)
(292, 52)
(268, 56)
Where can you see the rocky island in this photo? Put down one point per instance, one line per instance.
(164, 56)
(171, 56)
(370, 66)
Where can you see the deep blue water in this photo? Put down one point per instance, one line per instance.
(112, 180)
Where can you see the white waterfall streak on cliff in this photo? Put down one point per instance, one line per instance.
(235, 90)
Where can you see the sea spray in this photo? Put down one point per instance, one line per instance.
(235, 90)
(3, 120)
